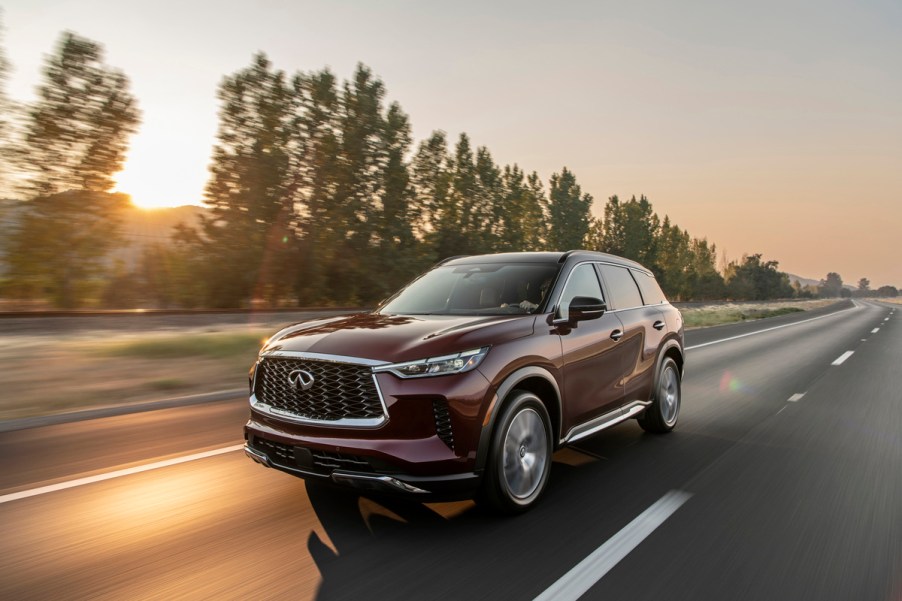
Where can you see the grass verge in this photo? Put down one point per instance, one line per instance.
(693, 318)
(213, 345)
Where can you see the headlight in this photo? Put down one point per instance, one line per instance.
(437, 366)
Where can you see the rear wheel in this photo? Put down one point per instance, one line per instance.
(520, 455)
(661, 416)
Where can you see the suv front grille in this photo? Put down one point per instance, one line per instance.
(339, 390)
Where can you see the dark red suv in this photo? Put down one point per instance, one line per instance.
(465, 381)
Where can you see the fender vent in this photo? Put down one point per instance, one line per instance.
(443, 422)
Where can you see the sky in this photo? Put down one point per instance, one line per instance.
(765, 127)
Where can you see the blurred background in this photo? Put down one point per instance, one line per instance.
(204, 178)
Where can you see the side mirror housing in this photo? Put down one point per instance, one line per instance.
(583, 308)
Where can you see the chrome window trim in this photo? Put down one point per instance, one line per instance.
(557, 301)
(361, 423)
(628, 269)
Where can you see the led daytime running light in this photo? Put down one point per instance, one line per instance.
(437, 366)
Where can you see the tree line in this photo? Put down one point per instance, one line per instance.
(317, 196)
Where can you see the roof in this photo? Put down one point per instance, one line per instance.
(541, 257)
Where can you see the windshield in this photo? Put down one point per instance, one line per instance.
(483, 289)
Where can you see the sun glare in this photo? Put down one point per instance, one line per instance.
(156, 176)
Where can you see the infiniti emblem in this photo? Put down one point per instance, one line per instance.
(300, 379)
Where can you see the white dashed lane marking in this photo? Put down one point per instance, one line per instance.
(875, 330)
(581, 578)
(842, 358)
(796, 397)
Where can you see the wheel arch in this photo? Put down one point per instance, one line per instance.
(534, 379)
(673, 349)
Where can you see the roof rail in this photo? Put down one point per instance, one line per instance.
(567, 255)
(446, 259)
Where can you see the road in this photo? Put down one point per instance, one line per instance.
(786, 468)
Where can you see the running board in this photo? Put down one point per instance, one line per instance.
(605, 421)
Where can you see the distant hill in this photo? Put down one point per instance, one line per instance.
(142, 227)
(793, 278)
(807, 282)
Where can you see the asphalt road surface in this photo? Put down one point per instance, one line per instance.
(783, 480)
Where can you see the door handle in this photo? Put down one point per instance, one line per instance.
(616, 335)
(658, 325)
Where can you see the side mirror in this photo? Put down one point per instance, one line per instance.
(586, 307)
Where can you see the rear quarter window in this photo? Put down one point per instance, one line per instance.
(621, 287)
(651, 292)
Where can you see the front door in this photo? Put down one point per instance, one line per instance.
(593, 364)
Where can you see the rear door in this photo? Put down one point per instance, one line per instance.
(643, 331)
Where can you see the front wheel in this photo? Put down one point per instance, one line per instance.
(520, 455)
(661, 416)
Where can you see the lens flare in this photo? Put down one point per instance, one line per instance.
(728, 383)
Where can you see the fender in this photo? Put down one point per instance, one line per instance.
(662, 352)
(509, 384)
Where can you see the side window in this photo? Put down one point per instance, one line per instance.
(651, 292)
(621, 286)
(583, 282)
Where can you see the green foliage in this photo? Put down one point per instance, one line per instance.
(76, 133)
(754, 279)
(831, 286)
(74, 140)
(568, 211)
(215, 346)
(60, 246)
(631, 230)
(684, 266)
(704, 318)
(251, 189)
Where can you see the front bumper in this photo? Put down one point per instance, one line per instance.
(450, 486)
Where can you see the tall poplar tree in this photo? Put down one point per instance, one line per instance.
(568, 210)
(318, 164)
(520, 219)
(76, 134)
(360, 184)
(75, 139)
(248, 235)
(398, 248)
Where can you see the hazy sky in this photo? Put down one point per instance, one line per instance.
(771, 127)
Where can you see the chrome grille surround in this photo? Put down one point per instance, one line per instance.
(345, 393)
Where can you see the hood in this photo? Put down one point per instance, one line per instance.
(397, 338)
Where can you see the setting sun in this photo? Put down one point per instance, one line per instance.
(159, 170)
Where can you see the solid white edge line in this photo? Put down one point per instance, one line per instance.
(875, 330)
(585, 574)
(24, 494)
(842, 358)
(785, 325)
(796, 397)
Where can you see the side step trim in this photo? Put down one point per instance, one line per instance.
(607, 420)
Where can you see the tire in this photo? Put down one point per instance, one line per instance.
(661, 416)
(519, 455)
